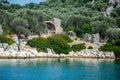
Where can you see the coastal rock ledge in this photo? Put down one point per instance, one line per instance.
(33, 53)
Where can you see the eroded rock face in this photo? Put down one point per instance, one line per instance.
(109, 10)
(1, 30)
(4, 45)
(13, 47)
(112, 4)
(32, 53)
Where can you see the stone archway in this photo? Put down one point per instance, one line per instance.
(51, 28)
(54, 27)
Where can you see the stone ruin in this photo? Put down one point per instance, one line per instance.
(93, 38)
(54, 27)
(71, 34)
(1, 30)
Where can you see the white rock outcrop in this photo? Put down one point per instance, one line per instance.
(33, 53)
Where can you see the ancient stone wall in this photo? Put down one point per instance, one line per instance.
(54, 27)
(93, 38)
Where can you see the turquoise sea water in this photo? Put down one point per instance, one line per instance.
(59, 69)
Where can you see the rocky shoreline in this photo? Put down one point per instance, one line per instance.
(33, 53)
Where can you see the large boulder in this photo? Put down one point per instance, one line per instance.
(4, 45)
(72, 34)
(14, 47)
(114, 3)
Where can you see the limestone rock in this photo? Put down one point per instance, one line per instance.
(109, 10)
(13, 47)
(114, 3)
(72, 34)
(1, 30)
(4, 45)
(1, 51)
(1, 46)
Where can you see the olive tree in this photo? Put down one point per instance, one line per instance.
(113, 34)
(20, 26)
(100, 27)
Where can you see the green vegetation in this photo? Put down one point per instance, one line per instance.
(70, 28)
(64, 37)
(78, 47)
(40, 43)
(80, 16)
(59, 45)
(57, 42)
(86, 28)
(4, 39)
(90, 47)
(110, 47)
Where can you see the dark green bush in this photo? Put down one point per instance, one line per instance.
(110, 47)
(40, 43)
(78, 47)
(59, 45)
(90, 47)
(65, 37)
(4, 39)
(117, 42)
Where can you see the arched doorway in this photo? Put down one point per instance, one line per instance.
(51, 28)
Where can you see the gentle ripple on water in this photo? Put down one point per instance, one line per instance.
(59, 69)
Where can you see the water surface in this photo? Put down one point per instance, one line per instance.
(59, 69)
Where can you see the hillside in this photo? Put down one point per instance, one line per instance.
(84, 16)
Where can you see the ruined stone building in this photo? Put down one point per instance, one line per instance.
(93, 38)
(54, 27)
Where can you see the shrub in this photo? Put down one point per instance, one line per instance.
(117, 42)
(70, 28)
(40, 43)
(4, 39)
(59, 45)
(78, 47)
(65, 37)
(90, 47)
(86, 28)
(110, 47)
